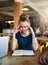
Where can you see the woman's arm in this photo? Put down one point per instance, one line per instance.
(34, 40)
(15, 43)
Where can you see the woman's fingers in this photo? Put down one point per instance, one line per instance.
(31, 29)
(17, 29)
(18, 26)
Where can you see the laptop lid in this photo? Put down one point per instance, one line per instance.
(4, 41)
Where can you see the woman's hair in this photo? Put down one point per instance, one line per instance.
(23, 19)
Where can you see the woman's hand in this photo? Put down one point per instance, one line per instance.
(17, 29)
(31, 29)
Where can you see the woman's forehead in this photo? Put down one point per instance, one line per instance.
(24, 23)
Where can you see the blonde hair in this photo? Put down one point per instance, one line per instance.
(23, 19)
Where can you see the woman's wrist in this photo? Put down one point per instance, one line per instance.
(12, 51)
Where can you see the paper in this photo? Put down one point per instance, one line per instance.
(23, 53)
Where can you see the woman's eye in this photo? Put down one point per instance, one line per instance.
(20, 26)
(25, 26)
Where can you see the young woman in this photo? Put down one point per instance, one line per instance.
(24, 36)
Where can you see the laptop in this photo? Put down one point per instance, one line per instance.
(4, 42)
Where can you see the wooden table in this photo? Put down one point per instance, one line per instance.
(42, 39)
(9, 60)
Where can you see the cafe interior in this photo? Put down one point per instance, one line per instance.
(37, 12)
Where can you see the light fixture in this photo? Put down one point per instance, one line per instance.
(21, 1)
(25, 9)
(10, 21)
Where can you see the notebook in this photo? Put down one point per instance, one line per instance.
(23, 53)
(4, 41)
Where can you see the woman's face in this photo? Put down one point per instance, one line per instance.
(24, 26)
